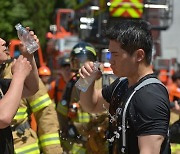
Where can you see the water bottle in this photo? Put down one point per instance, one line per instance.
(83, 84)
(26, 38)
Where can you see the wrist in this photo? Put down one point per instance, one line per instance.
(19, 76)
(27, 55)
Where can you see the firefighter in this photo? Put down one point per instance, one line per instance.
(46, 139)
(57, 86)
(24, 72)
(45, 75)
(174, 87)
(81, 132)
(174, 96)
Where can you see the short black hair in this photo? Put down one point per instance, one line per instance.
(132, 35)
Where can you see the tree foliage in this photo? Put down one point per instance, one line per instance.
(35, 14)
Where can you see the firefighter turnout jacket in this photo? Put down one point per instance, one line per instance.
(46, 139)
(174, 94)
(81, 132)
(56, 89)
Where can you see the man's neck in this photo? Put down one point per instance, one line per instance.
(139, 74)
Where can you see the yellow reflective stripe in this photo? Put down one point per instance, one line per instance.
(91, 49)
(62, 109)
(139, 5)
(114, 3)
(119, 12)
(175, 147)
(133, 13)
(21, 113)
(82, 117)
(136, 3)
(29, 149)
(76, 149)
(40, 103)
(126, 6)
(49, 139)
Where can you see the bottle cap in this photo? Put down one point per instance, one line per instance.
(17, 26)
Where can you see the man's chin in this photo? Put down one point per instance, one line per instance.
(3, 59)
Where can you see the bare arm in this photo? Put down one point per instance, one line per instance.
(91, 100)
(10, 101)
(31, 85)
(150, 144)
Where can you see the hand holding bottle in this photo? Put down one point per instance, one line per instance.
(29, 40)
(88, 74)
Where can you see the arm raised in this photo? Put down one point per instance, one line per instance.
(91, 100)
(10, 101)
(31, 85)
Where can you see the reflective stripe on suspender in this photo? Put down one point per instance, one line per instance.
(144, 83)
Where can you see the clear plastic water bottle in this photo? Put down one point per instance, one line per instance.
(26, 38)
(83, 84)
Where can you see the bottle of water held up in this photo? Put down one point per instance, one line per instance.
(83, 84)
(26, 38)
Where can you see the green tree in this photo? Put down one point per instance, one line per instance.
(70, 3)
(40, 13)
(35, 14)
(10, 12)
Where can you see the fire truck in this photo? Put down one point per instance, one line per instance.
(87, 20)
(61, 38)
(94, 16)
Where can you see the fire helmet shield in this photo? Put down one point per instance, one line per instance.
(81, 53)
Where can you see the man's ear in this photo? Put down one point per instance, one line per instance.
(140, 54)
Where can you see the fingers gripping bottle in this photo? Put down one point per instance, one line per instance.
(83, 84)
(26, 38)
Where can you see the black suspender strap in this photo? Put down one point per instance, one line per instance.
(144, 83)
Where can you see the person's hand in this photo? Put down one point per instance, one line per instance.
(21, 67)
(87, 69)
(22, 48)
(176, 108)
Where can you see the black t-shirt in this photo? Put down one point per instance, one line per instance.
(6, 139)
(148, 113)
